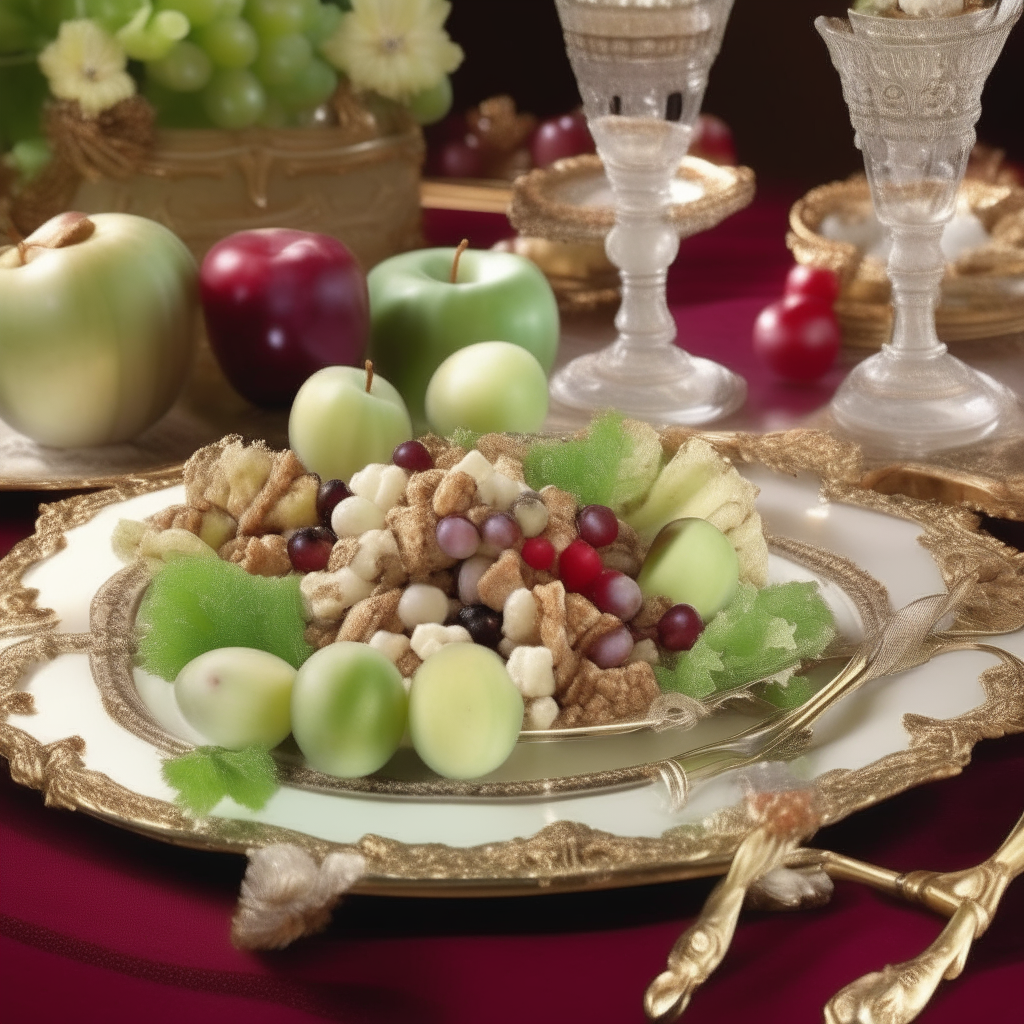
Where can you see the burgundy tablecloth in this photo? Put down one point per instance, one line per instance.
(100, 925)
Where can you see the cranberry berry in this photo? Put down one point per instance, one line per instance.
(412, 456)
(679, 628)
(309, 549)
(578, 566)
(329, 494)
(597, 525)
(538, 553)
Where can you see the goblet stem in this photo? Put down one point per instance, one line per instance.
(916, 265)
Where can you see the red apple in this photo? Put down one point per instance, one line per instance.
(280, 305)
(559, 137)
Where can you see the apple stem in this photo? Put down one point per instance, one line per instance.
(463, 246)
(369, 375)
(57, 233)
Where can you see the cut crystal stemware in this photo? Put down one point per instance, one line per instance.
(913, 88)
(642, 68)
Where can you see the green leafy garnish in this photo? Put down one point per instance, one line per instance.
(614, 464)
(195, 605)
(463, 437)
(206, 775)
(759, 634)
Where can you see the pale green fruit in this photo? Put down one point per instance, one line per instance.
(237, 696)
(348, 709)
(692, 563)
(465, 712)
(490, 387)
(336, 427)
(96, 337)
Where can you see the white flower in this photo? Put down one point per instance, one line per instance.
(84, 63)
(394, 47)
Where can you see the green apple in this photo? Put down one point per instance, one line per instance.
(344, 418)
(348, 709)
(465, 712)
(694, 563)
(418, 317)
(97, 325)
(237, 696)
(492, 386)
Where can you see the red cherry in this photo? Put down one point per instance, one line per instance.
(559, 137)
(798, 338)
(309, 549)
(578, 566)
(713, 140)
(413, 456)
(538, 553)
(597, 525)
(679, 628)
(812, 283)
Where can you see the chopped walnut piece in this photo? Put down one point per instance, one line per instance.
(561, 528)
(500, 580)
(508, 466)
(415, 531)
(342, 553)
(278, 505)
(261, 556)
(598, 696)
(455, 494)
(179, 517)
(644, 625)
(421, 486)
(551, 625)
(320, 634)
(296, 507)
(408, 663)
(580, 616)
(371, 615)
(625, 553)
(238, 476)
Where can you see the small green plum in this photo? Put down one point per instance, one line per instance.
(237, 696)
(465, 712)
(348, 709)
(492, 386)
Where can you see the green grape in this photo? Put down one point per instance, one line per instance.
(273, 18)
(283, 58)
(198, 12)
(176, 109)
(113, 14)
(322, 22)
(312, 86)
(432, 104)
(230, 42)
(185, 68)
(150, 38)
(234, 99)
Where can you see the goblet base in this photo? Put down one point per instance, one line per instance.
(910, 404)
(663, 386)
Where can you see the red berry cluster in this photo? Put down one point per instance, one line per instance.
(798, 337)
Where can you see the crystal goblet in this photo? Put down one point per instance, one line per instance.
(642, 68)
(913, 89)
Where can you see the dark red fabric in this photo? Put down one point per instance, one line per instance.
(100, 925)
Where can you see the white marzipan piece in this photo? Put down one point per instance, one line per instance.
(540, 713)
(391, 645)
(532, 670)
(373, 546)
(328, 595)
(476, 465)
(519, 617)
(421, 603)
(353, 516)
(430, 637)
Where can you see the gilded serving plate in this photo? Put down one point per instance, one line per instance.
(63, 732)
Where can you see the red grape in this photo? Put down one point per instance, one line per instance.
(457, 537)
(713, 140)
(538, 553)
(500, 531)
(559, 137)
(597, 525)
(812, 283)
(310, 548)
(679, 628)
(616, 593)
(412, 456)
(798, 338)
(578, 566)
(328, 495)
(611, 649)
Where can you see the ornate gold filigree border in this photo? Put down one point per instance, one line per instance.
(565, 855)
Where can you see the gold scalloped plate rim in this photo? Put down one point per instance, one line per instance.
(566, 855)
